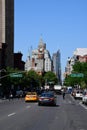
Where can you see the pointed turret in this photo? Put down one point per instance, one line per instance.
(41, 44)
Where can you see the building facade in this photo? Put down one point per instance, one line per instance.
(6, 33)
(47, 61)
(40, 59)
(80, 54)
(69, 66)
(18, 63)
(57, 65)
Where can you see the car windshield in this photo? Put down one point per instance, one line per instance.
(47, 95)
(31, 93)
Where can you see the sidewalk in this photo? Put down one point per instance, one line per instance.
(3, 99)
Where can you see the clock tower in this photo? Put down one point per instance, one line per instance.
(41, 48)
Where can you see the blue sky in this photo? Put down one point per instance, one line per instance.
(62, 24)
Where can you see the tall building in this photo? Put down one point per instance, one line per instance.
(48, 61)
(80, 54)
(6, 33)
(69, 66)
(40, 61)
(18, 63)
(57, 65)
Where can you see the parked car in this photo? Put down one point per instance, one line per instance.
(31, 96)
(84, 98)
(69, 90)
(19, 93)
(78, 94)
(47, 98)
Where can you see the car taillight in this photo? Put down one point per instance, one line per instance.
(51, 98)
(27, 96)
(74, 94)
(33, 96)
(40, 99)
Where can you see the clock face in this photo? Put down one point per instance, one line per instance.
(41, 49)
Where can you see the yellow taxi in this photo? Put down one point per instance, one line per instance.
(31, 96)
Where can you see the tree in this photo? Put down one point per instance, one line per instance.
(33, 79)
(50, 77)
(71, 81)
(78, 67)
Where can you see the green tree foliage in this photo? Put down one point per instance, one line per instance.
(29, 79)
(7, 81)
(78, 67)
(14, 80)
(81, 68)
(50, 77)
(71, 81)
(33, 79)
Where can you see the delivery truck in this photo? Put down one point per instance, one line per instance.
(58, 89)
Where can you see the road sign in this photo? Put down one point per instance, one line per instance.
(77, 75)
(16, 75)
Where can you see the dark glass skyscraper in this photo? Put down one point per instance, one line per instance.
(6, 33)
(57, 65)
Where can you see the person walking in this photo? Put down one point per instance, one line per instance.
(63, 93)
(10, 96)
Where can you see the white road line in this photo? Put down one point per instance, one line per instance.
(36, 103)
(69, 102)
(81, 129)
(83, 105)
(72, 97)
(11, 114)
(28, 106)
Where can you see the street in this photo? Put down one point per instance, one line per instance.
(69, 114)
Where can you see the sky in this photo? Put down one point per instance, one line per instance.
(62, 24)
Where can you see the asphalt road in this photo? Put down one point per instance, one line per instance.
(69, 114)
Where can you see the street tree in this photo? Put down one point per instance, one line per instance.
(33, 79)
(78, 68)
(50, 77)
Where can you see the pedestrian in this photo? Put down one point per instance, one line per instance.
(63, 93)
(10, 96)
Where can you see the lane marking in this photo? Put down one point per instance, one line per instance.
(69, 102)
(81, 129)
(28, 107)
(36, 103)
(83, 105)
(11, 114)
(72, 97)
